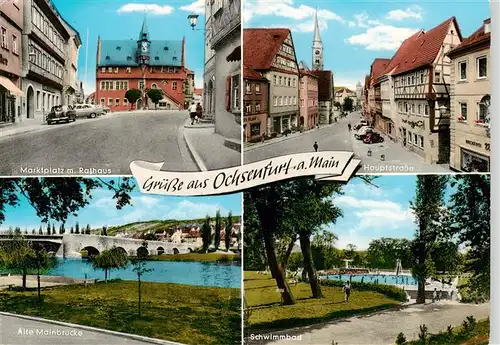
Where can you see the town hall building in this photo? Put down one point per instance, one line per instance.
(142, 64)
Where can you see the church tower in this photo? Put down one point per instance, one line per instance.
(317, 48)
(143, 45)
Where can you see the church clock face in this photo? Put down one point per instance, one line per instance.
(144, 47)
(317, 52)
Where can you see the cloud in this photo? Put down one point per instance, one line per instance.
(147, 201)
(146, 8)
(381, 37)
(197, 7)
(414, 12)
(362, 20)
(188, 209)
(285, 9)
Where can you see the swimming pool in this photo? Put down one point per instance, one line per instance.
(389, 279)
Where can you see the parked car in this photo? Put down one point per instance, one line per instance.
(60, 113)
(361, 133)
(106, 110)
(372, 138)
(87, 110)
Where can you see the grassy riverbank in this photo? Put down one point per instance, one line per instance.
(182, 313)
(204, 257)
(266, 312)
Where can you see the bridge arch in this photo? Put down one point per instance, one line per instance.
(89, 251)
(121, 249)
(190, 249)
(160, 251)
(175, 251)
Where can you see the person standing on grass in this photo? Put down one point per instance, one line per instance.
(192, 112)
(434, 295)
(347, 291)
(316, 146)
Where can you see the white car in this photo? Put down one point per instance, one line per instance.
(87, 110)
(360, 134)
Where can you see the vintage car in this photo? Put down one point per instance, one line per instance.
(60, 113)
(87, 110)
(361, 133)
(372, 138)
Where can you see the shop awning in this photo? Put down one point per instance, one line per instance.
(6, 83)
(235, 55)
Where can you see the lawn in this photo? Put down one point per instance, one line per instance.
(182, 313)
(266, 312)
(206, 257)
(478, 336)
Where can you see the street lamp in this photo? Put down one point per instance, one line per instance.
(193, 20)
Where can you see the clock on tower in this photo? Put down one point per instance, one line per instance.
(144, 47)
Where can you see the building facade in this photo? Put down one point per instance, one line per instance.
(271, 53)
(11, 55)
(359, 95)
(470, 102)
(141, 64)
(341, 93)
(45, 41)
(189, 88)
(224, 92)
(379, 121)
(308, 96)
(256, 103)
(422, 89)
(72, 88)
(209, 70)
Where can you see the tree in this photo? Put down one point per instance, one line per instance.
(33, 231)
(428, 207)
(140, 268)
(16, 255)
(218, 227)
(109, 259)
(229, 230)
(87, 230)
(104, 231)
(132, 96)
(350, 251)
(41, 260)
(77, 228)
(53, 229)
(324, 253)
(40, 231)
(337, 105)
(72, 231)
(56, 198)
(470, 222)
(49, 229)
(155, 95)
(206, 233)
(348, 104)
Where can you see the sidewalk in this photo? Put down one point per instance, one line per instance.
(207, 147)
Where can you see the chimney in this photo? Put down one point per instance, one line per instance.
(487, 28)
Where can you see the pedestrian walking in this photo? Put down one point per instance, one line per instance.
(434, 295)
(199, 112)
(349, 127)
(192, 112)
(440, 295)
(347, 291)
(316, 146)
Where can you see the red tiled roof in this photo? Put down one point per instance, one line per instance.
(421, 49)
(261, 45)
(478, 37)
(307, 72)
(249, 73)
(325, 85)
(378, 67)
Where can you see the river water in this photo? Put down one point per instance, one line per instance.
(181, 272)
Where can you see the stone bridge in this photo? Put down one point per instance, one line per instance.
(71, 245)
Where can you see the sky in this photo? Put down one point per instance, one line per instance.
(355, 32)
(121, 19)
(371, 212)
(102, 210)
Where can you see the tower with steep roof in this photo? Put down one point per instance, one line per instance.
(317, 48)
(143, 44)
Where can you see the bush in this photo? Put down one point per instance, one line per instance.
(469, 325)
(401, 339)
(424, 333)
(386, 290)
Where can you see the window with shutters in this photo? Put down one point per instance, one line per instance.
(235, 92)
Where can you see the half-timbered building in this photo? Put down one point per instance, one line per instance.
(422, 91)
(271, 53)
